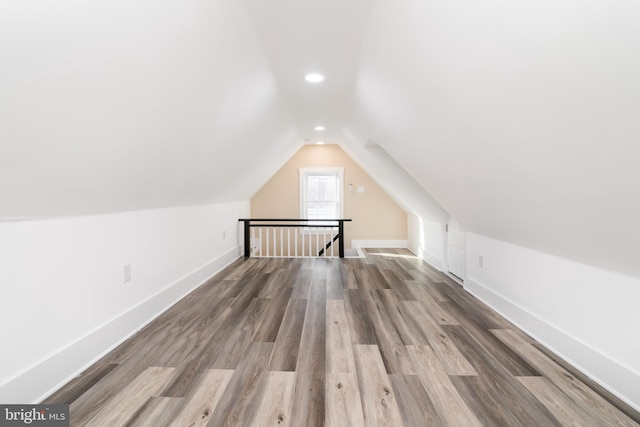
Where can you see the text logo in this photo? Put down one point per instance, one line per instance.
(34, 415)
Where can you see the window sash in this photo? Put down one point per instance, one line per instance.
(321, 198)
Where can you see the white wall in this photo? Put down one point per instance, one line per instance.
(426, 219)
(587, 315)
(427, 239)
(64, 302)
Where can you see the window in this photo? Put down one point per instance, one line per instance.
(321, 195)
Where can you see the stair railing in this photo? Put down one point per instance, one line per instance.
(277, 237)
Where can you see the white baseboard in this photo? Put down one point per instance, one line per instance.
(35, 384)
(615, 377)
(436, 263)
(379, 244)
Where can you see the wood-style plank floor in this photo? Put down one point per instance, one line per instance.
(377, 341)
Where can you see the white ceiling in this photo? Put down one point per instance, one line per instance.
(313, 36)
(519, 118)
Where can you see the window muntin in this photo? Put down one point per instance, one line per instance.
(321, 194)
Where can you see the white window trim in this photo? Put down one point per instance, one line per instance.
(303, 172)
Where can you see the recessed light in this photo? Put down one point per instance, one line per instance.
(319, 142)
(319, 128)
(314, 78)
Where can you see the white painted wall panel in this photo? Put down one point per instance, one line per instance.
(587, 315)
(62, 281)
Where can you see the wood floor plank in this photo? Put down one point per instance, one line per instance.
(200, 403)
(495, 384)
(334, 281)
(119, 410)
(557, 402)
(238, 268)
(425, 273)
(309, 399)
(343, 406)
(287, 344)
(198, 358)
(398, 285)
(148, 345)
(433, 307)
(366, 286)
(494, 406)
(271, 265)
(376, 278)
(379, 402)
(249, 292)
(235, 405)
(398, 270)
(472, 307)
(407, 330)
(359, 322)
(450, 406)
(449, 355)
(89, 403)
(277, 280)
(269, 325)
(414, 402)
(576, 390)
(509, 359)
(598, 389)
(348, 276)
(234, 345)
(339, 348)
(394, 354)
(316, 307)
(275, 405)
(302, 284)
(156, 412)
(79, 385)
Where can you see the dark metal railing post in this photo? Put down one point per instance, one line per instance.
(247, 238)
(341, 239)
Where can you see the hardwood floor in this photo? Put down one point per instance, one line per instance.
(378, 341)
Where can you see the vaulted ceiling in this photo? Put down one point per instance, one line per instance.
(518, 118)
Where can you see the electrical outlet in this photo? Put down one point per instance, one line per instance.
(127, 273)
(256, 244)
(480, 261)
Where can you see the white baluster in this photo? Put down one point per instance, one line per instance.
(331, 237)
(252, 240)
(266, 231)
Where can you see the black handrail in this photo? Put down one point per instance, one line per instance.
(250, 222)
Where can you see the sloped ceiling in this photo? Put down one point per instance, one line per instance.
(120, 105)
(519, 118)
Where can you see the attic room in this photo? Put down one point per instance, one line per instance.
(489, 154)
